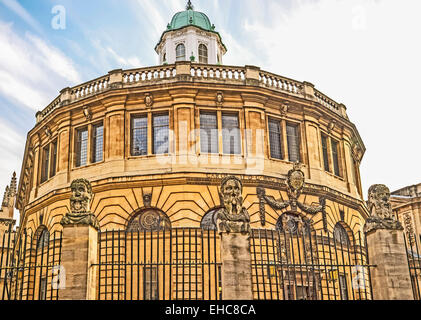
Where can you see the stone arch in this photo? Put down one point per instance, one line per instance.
(342, 233)
(149, 219)
(42, 236)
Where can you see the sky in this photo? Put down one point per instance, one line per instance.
(362, 53)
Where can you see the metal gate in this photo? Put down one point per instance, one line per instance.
(414, 263)
(177, 264)
(308, 265)
(30, 266)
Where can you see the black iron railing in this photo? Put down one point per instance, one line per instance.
(30, 266)
(414, 263)
(177, 264)
(308, 265)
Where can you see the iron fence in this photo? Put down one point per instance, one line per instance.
(414, 263)
(30, 266)
(177, 264)
(307, 265)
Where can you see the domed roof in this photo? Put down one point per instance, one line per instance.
(190, 18)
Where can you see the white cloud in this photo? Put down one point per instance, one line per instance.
(11, 145)
(31, 71)
(22, 13)
(132, 62)
(365, 54)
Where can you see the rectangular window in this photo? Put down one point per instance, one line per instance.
(140, 136)
(53, 159)
(209, 133)
(275, 137)
(231, 134)
(82, 147)
(293, 138)
(97, 143)
(150, 283)
(343, 287)
(43, 289)
(335, 157)
(302, 293)
(45, 163)
(325, 153)
(161, 130)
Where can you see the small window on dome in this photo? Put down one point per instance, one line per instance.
(203, 54)
(180, 52)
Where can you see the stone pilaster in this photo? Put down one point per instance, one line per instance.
(390, 278)
(79, 253)
(236, 267)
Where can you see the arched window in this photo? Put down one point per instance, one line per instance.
(149, 220)
(203, 54)
(289, 223)
(341, 235)
(43, 237)
(180, 52)
(208, 222)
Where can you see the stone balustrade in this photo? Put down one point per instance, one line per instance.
(276, 82)
(89, 88)
(146, 75)
(187, 71)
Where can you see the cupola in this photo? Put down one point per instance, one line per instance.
(190, 36)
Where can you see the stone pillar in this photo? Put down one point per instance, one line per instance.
(236, 267)
(390, 279)
(79, 253)
(233, 224)
(80, 245)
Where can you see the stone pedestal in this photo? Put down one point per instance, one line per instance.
(79, 252)
(236, 267)
(390, 279)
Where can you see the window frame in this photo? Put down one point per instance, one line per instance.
(281, 138)
(335, 157)
(203, 59)
(213, 113)
(78, 147)
(155, 115)
(133, 117)
(45, 163)
(94, 146)
(325, 152)
(240, 151)
(298, 136)
(180, 57)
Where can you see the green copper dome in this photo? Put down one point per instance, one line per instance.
(190, 18)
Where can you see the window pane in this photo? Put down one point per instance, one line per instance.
(180, 52)
(53, 159)
(275, 138)
(231, 134)
(203, 54)
(140, 136)
(209, 133)
(325, 153)
(335, 157)
(293, 143)
(82, 148)
(150, 283)
(160, 134)
(98, 143)
(45, 163)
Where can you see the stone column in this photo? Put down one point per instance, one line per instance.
(390, 278)
(233, 223)
(236, 267)
(80, 245)
(79, 253)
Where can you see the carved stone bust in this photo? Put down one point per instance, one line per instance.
(80, 203)
(233, 218)
(379, 206)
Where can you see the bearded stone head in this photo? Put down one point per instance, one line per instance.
(231, 190)
(379, 202)
(81, 196)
